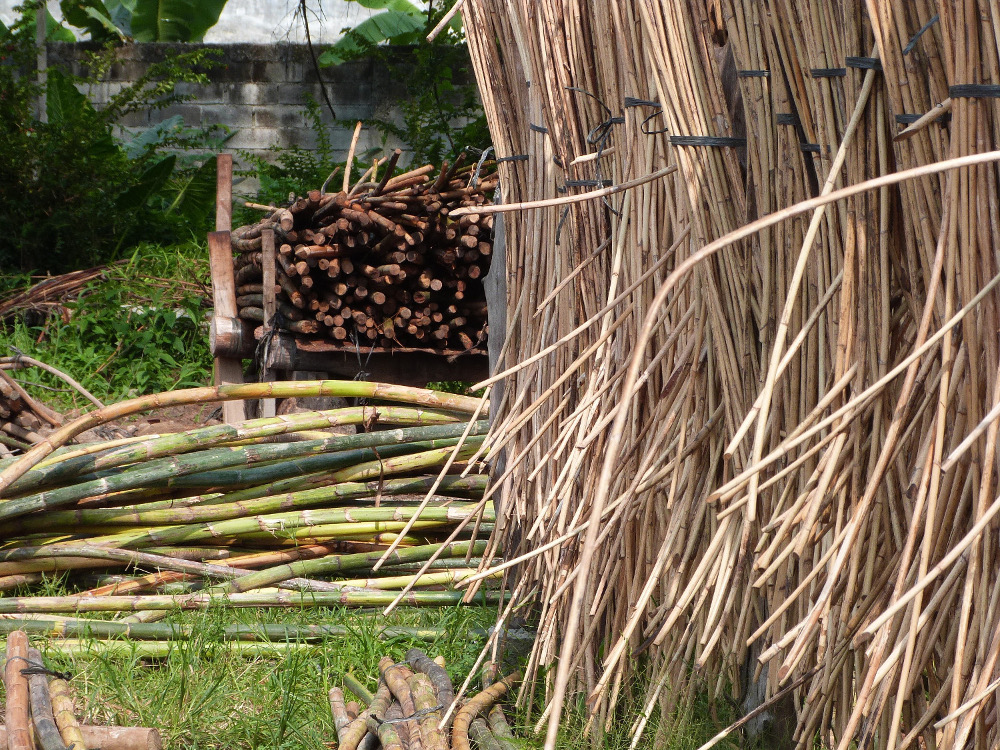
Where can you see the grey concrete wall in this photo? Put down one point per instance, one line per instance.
(257, 90)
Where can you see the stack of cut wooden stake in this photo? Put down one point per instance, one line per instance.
(414, 708)
(380, 264)
(39, 710)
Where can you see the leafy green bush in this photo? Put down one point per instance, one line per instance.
(72, 194)
(140, 330)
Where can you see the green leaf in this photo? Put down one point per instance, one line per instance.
(55, 31)
(174, 20)
(153, 136)
(381, 27)
(93, 16)
(404, 6)
(62, 100)
(152, 180)
(196, 193)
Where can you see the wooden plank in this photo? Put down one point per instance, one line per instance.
(224, 193)
(227, 370)
(405, 367)
(268, 405)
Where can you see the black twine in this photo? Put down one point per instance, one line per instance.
(913, 42)
(753, 73)
(811, 148)
(415, 715)
(537, 128)
(707, 140)
(34, 668)
(828, 72)
(515, 157)
(644, 128)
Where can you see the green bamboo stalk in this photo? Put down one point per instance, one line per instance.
(160, 631)
(355, 685)
(172, 472)
(325, 566)
(205, 600)
(134, 515)
(299, 389)
(378, 469)
(163, 649)
(184, 454)
(66, 463)
(279, 523)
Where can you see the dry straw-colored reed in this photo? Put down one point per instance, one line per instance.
(752, 455)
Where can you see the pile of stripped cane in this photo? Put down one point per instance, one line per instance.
(39, 709)
(414, 708)
(223, 515)
(751, 419)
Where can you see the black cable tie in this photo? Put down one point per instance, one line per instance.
(974, 91)
(828, 72)
(515, 157)
(913, 42)
(863, 63)
(538, 128)
(631, 101)
(786, 118)
(753, 73)
(814, 148)
(587, 183)
(910, 119)
(707, 140)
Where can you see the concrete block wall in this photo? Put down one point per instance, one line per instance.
(259, 91)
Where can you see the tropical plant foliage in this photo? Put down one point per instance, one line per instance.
(75, 192)
(143, 20)
(441, 114)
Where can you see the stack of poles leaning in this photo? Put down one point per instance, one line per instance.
(751, 389)
(268, 512)
(415, 707)
(379, 263)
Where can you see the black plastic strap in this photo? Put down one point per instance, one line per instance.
(707, 140)
(828, 72)
(538, 128)
(910, 119)
(631, 101)
(812, 148)
(588, 183)
(515, 157)
(753, 73)
(913, 42)
(864, 63)
(786, 118)
(974, 91)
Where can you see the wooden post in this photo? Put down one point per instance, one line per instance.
(268, 405)
(220, 254)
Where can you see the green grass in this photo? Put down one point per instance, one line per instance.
(204, 695)
(141, 330)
